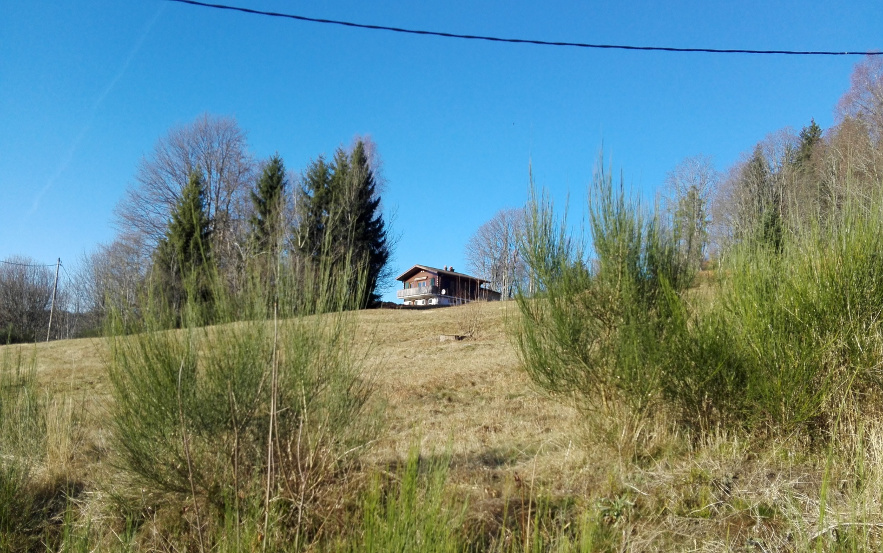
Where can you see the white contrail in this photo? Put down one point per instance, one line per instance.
(94, 109)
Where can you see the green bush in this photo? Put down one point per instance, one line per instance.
(793, 333)
(787, 334)
(806, 320)
(594, 325)
(269, 404)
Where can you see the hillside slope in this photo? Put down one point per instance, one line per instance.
(467, 396)
(628, 485)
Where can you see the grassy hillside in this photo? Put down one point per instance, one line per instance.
(530, 471)
(464, 394)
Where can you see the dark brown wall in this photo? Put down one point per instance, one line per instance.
(459, 287)
(429, 275)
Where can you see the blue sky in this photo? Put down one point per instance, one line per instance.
(87, 88)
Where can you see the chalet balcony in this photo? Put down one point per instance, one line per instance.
(417, 292)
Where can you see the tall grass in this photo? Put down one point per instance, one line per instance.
(21, 446)
(37, 435)
(415, 514)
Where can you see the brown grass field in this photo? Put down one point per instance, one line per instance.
(642, 486)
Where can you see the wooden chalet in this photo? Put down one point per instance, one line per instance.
(424, 285)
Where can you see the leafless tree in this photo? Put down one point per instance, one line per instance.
(686, 199)
(757, 188)
(25, 297)
(492, 252)
(850, 167)
(112, 277)
(864, 99)
(375, 160)
(217, 148)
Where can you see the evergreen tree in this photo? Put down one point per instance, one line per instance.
(182, 258)
(811, 189)
(339, 220)
(765, 198)
(267, 198)
(313, 206)
(368, 230)
(810, 136)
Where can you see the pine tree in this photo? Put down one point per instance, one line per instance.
(267, 198)
(183, 256)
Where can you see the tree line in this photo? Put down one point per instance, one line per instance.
(203, 214)
(203, 217)
(782, 331)
(786, 182)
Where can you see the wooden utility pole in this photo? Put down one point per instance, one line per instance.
(54, 292)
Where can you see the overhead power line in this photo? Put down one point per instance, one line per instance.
(524, 40)
(27, 264)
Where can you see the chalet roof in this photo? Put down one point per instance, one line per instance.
(417, 268)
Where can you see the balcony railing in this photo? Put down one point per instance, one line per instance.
(417, 291)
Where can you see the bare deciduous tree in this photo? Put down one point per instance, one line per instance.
(757, 190)
(492, 252)
(25, 297)
(686, 199)
(215, 147)
(111, 278)
(851, 166)
(864, 99)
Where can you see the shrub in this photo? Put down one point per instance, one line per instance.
(594, 326)
(272, 405)
(786, 334)
(806, 319)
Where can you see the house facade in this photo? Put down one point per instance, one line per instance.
(424, 285)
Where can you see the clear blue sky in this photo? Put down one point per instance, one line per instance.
(87, 88)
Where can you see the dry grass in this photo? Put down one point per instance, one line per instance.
(661, 490)
(468, 395)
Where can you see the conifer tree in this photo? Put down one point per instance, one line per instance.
(368, 230)
(183, 256)
(267, 198)
(810, 136)
(339, 220)
(313, 206)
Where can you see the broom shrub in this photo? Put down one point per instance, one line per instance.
(783, 334)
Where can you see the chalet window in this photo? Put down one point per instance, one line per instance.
(432, 282)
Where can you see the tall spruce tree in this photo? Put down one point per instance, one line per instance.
(368, 230)
(810, 136)
(267, 198)
(339, 219)
(183, 256)
(313, 209)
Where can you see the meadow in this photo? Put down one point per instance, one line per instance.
(469, 455)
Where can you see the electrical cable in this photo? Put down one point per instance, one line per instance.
(527, 41)
(25, 264)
